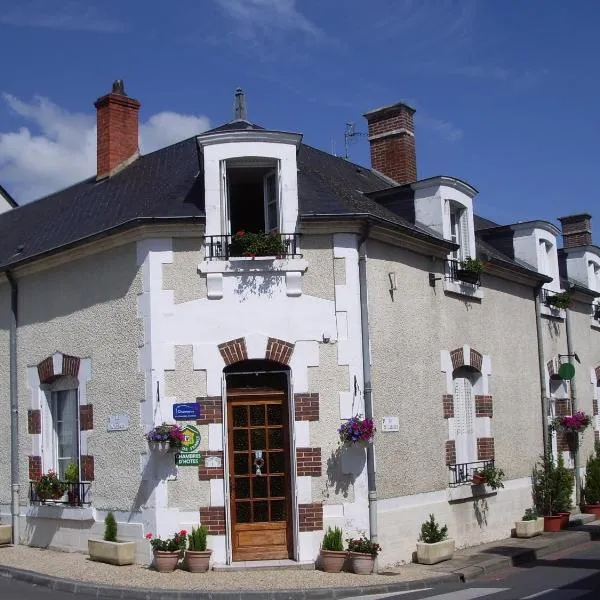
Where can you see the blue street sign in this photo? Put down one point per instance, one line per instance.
(186, 411)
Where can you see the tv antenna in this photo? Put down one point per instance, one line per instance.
(349, 138)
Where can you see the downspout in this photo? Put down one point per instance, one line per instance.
(542, 367)
(14, 408)
(366, 360)
(571, 357)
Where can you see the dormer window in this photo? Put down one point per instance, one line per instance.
(545, 258)
(459, 230)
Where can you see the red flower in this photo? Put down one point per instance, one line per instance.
(148, 536)
(183, 532)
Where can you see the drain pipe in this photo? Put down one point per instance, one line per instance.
(542, 367)
(366, 360)
(571, 356)
(14, 408)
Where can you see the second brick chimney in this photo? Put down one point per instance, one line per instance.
(117, 124)
(392, 140)
(576, 230)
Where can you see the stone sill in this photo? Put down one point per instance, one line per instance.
(259, 263)
(62, 513)
(463, 289)
(469, 492)
(555, 313)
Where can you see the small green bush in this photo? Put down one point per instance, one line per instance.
(110, 528)
(333, 540)
(563, 487)
(530, 515)
(493, 476)
(591, 491)
(197, 539)
(72, 473)
(431, 532)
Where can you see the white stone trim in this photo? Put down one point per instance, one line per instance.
(215, 436)
(302, 431)
(217, 492)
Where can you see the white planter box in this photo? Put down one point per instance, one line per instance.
(528, 529)
(430, 554)
(540, 523)
(114, 553)
(5, 534)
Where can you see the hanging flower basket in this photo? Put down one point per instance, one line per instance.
(165, 437)
(572, 424)
(357, 429)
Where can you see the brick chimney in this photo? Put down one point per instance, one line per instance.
(576, 230)
(117, 124)
(392, 140)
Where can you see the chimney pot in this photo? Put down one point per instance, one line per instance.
(576, 230)
(118, 87)
(392, 141)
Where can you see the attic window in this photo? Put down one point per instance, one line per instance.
(459, 230)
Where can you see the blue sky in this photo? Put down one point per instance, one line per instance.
(506, 92)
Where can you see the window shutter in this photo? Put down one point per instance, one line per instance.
(225, 222)
(464, 411)
(465, 248)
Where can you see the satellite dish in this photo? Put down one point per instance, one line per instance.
(567, 371)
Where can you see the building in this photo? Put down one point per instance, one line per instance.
(6, 201)
(131, 294)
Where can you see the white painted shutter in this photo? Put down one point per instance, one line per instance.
(271, 195)
(465, 249)
(225, 222)
(464, 420)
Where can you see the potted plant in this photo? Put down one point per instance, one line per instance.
(543, 480)
(357, 429)
(165, 437)
(110, 550)
(563, 491)
(252, 244)
(49, 487)
(168, 551)
(469, 270)
(561, 300)
(591, 491)
(489, 475)
(529, 525)
(72, 481)
(362, 552)
(5, 534)
(332, 555)
(197, 557)
(433, 545)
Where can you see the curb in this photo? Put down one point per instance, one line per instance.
(465, 574)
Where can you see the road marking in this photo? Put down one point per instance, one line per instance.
(468, 594)
(538, 594)
(382, 596)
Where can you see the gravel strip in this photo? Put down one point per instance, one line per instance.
(79, 567)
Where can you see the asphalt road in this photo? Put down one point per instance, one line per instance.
(569, 575)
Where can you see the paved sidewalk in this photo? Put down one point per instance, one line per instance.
(76, 573)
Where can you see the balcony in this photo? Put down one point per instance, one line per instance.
(76, 494)
(225, 247)
(462, 473)
(455, 273)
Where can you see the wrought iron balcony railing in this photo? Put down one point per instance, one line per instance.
(224, 247)
(455, 272)
(76, 494)
(462, 473)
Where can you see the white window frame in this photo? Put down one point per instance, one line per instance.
(465, 387)
(459, 230)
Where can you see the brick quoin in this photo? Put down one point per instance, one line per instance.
(211, 410)
(306, 407)
(279, 351)
(87, 468)
(485, 449)
(448, 406)
(562, 407)
(308, 462)
(310, 517)
(484, 406)
(213, 518)
(562, 442)
(450, 452)
(207, 473)
(46, 370)
(476, 360)
(86, 417)
(34, 421)
(234, 351)
(35, 468)
(458, 358)
(70, 366)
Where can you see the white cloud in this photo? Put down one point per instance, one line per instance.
(444, 129)
(55, 148)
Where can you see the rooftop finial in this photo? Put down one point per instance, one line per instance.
(240, 110)
(118, 87)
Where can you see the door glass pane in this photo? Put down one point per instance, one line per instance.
(277, 485)
(242, 487)
(275, 414)
(278, 510)
(64, 409)
(242, 512)
(259, 487)
(259, 439)
(276, 439)
(261, 511)
(240, 464)
(240, 416)
(276, 463)
(240, 439)
(257, 414)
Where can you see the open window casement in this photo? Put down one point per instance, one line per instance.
(459, 231)
(272, 199)
(225, 220)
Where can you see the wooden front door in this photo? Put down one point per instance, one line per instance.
(259, 475)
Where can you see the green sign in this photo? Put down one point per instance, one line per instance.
(567, 371)
(190, 459)
(191, 439)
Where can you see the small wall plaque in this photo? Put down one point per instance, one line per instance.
(212, 462)
(390, 424)
(118, 423)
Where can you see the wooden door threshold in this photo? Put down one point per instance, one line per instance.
(267, 565)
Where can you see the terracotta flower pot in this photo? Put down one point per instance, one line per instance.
(478, 479)
(332, 561)
(552, 522)
(165, 562)
(564, 516)
(362, 564)
(197, 561)
(592, 509)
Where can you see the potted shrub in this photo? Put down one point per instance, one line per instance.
(49, 487)
(110, 550)
(72, 481)
(332, 555)
(563, 493)
(433, 545)
(252, 244)
(165, 437)
(5, 533)
(469, 270)
(168, 551)
(362, 552)
(356, 430)
(543, 480)
(197, 557)
(529, 525)
(561, 300)
(591, 491)
(489, 475)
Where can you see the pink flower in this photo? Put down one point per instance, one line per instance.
(148, 536)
